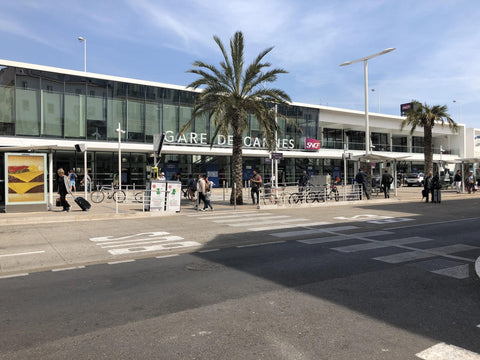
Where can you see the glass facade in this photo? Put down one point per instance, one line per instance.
(54, 105)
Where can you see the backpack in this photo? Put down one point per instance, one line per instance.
(192, 184)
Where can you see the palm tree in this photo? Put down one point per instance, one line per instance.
(427, 117)
(230, 93)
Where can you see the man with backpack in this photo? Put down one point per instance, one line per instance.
(191, 187)
(387, 180)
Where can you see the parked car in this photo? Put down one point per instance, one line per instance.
(415, 179)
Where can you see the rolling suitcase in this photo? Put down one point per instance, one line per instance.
(437, 196)
(84, 204)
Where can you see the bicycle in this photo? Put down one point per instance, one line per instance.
(275, 197)
(304, 194)
(98, 195)
(329, 192)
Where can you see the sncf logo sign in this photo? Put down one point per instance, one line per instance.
(312, 144)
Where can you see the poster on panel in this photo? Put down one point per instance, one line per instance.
(26, 179)
(157, 195)
(174, 191)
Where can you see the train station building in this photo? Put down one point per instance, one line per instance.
(48, 110)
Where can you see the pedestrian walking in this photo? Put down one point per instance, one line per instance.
(302, 181)
(457, 179)
(427, 187)
(361, 178)
(72, 177)
(256, 182)
(470, 182)
(63, 189)
(86, 182)
(191, 187)
(201, 187)
(387, 180)
(208, 194)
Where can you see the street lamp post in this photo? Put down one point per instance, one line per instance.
(120, 132)
(365, 71)
(460, 106)
(82, 39)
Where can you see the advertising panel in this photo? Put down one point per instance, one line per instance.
(212, 173)
(26, 179)
(174, 191)
(158, 195)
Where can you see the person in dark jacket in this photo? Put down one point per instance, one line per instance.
(427, 186)
(362, 180)
(387, 180)
(63, 189)
(458, 181)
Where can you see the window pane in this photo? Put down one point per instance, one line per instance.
(170, 120)
(7, 126)
(152, 120)
(116, 114)
(74, 116)
(135, 120)
(27, 112)
(52, 114)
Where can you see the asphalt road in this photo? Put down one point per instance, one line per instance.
(382, 281)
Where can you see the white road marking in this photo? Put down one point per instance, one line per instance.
(120, 262)
(139, 243)
(111, 238)
(285, 226)
(69, 268)
(272, 222)
(13, 276)
(378, 244)
(209, 250)
(444, 351)
(314, 231)
(160, 247)
(226, 213)
(325, 239)
(244, 219)
(24, 253)
(418, 254)
(457, 272)
(261, 244)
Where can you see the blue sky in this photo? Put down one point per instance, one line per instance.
(436, 61)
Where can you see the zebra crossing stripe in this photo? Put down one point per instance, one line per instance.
(314, 231)
(253, 217)
(404, 257)
(286, 226)
(457, 272)
(325, 239)
(378, 244)
(425, 253)
(444, 351)
(225, 214)
(273, 221)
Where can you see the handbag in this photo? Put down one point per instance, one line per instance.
(58, 202)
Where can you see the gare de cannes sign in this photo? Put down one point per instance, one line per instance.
(201, 138)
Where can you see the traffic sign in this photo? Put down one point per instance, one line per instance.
(276, 156)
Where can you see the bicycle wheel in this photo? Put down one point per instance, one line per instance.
(139, 197)
(293, 198)
(311, 197)
(337, 196)
(119, 196)
(97, 196)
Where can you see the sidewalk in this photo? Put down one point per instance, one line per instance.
(107, 210)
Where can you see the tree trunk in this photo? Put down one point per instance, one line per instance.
(237, 166)
(428, 149)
